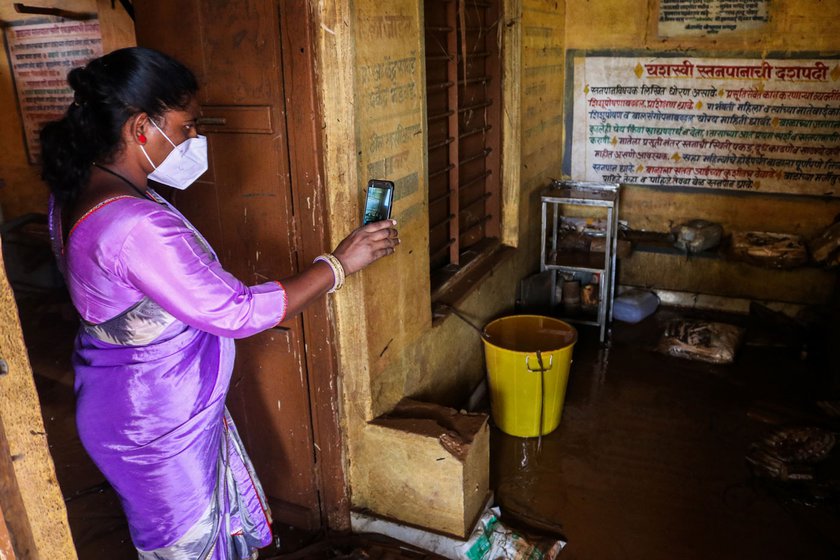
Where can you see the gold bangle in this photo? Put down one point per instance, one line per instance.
(337, 270)
(328, 262)
(342, 276)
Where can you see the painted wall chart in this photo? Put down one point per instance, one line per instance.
(767, 125)
(709, 17)
(41, 55)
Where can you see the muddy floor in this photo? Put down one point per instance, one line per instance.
(648, 461)
(649, 458)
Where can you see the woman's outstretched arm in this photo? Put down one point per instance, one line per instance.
(359, 249)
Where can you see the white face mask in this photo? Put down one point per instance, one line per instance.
(184, 164)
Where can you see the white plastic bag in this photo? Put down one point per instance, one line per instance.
(491, 540)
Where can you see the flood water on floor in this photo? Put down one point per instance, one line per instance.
(649, 458)
(648, 461)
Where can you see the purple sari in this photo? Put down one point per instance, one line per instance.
(153, 361)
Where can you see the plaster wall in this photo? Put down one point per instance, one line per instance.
(388, 348)
(21, 188)
(795, 26)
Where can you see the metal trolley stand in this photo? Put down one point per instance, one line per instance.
(583, 265)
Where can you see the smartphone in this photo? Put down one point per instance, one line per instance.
(380, 194)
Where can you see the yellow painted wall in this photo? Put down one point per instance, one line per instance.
(388, 348)
(24, 192)
(794, 26)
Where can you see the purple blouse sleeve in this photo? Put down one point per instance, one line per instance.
(162, 258)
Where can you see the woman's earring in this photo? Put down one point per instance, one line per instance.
(141, 138)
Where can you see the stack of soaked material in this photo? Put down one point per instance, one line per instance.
(825, 249)
(791, 453)
(705, 341)
(623, 246)
(697, 235)
(573, 241)
(772, 250)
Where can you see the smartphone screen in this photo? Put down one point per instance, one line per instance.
(378, 201)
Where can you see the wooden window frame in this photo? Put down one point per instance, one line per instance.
(464, 193)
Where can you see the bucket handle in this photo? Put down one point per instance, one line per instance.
(541, 371)
(541, 368)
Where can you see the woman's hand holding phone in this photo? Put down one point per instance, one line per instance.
(375, 239)
(367, 244)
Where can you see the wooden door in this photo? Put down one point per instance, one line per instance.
(244, 205)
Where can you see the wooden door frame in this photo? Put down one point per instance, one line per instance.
(303, 125)
(33, 516)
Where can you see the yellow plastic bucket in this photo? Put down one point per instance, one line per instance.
(522, 390)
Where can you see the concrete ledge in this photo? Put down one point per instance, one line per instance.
(427, 466)
(444, 545)
(716, 303)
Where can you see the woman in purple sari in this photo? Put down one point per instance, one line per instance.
(154, 353)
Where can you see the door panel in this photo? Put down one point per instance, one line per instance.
(254, 207)
(241, 52)
(235, 118)
(280, 447)
(244, 207)
(173, 28)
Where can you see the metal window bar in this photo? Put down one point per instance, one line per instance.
(437, 116)
(439, 85)
(480, 222)
(479, 80)
(447, 220)
(441, 144)
(440, 198)
(476, 106)
(436, 252)
(459, 58)
(472, 131)
(438, 172)
(477, 178)
(481, 198)
(480, 155)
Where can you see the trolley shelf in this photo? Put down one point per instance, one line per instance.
(601, 199)
(583, 317)
(582, 192)
(576, 261)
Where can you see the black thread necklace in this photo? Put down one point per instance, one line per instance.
(126, 181)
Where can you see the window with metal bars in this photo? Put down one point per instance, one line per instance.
(463, 92)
